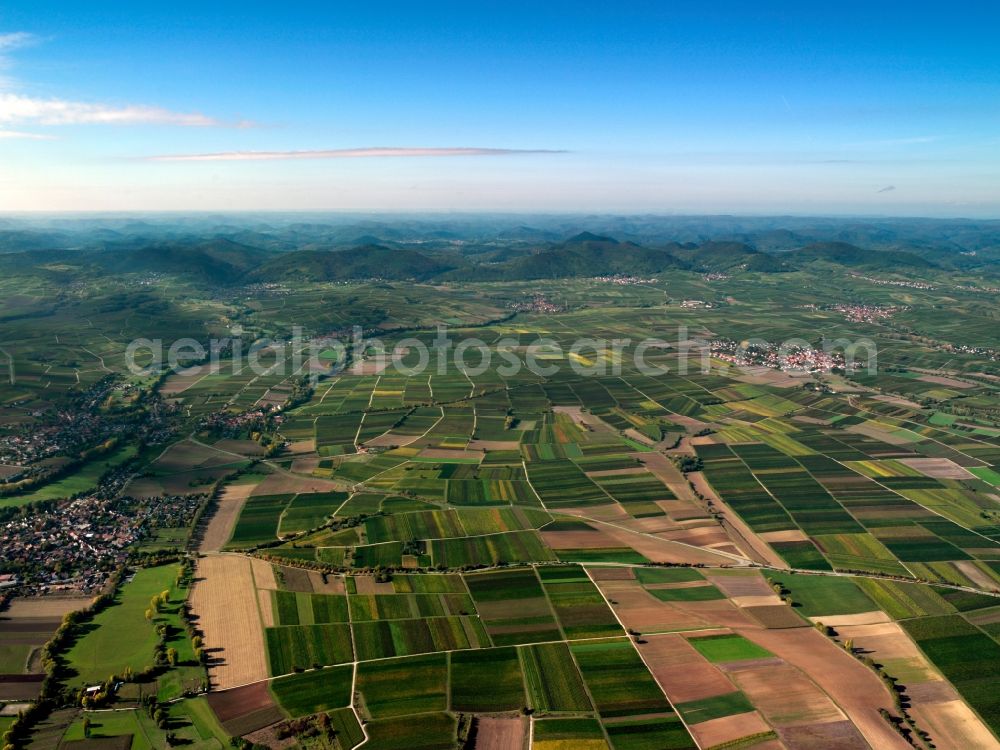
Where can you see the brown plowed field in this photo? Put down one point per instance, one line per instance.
(368, 585)
(775, 616)
(684, 674)
(784, 695)
(833, 735)
(263, 574)
(739, 582)
(953, 726)
(332, 585)
(245, 709)
(284, 484)
(500, 734)
(44, 607)
(220, 526)
(728, 728)
(664, 550)
(853, 686)
(225, 602)
(611, 574)
(640, 611)
(579, 539)
(934, 701)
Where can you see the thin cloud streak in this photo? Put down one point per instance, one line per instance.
(889, 142)
(377, 152)
(27, 136)
(18, 108)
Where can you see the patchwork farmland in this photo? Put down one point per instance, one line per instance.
(611, 561)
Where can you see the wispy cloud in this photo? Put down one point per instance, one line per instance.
(11, 41)
(350, 153)
(15, 40)
(18, 108)
(6, 134)
(889, 142)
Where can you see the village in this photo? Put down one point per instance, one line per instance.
(34, 448)
(625, 280)
(864, 313)
(790, 359)
(537, 304)
(893, 282)
(77, 545)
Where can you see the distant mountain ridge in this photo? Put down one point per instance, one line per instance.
(252, 254)
(365, 262)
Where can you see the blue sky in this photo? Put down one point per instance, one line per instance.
(630, 106)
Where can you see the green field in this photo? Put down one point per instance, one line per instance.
(314, 691)
(688, 594)
(396, 687)
(667, 733)
(310, 511)
(386, 638)
(121, 637)
(966, 656)
(617, 679)
(571, 730)
(715, 707)
(295, 647)
(552, 679)
(258, 522)
(815, 596)
(581, 610)
(434, 731)
(487, 680)
(725, 648)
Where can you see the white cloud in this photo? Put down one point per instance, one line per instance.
(349, 153)
(19, 108)
(27, 136)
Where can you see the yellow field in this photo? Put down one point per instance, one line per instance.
(570, 745)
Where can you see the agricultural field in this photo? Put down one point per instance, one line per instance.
(311, 692)
(604, 560)
(398, 687)
(966, 656)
